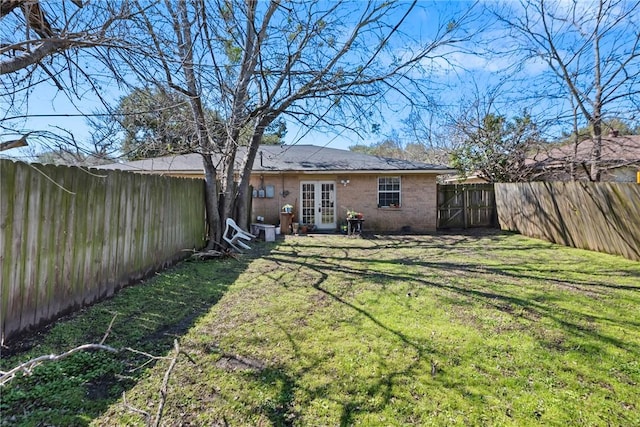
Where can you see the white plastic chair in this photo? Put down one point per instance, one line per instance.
(235, 235)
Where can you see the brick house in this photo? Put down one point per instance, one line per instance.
(322, 184)
(620, 160)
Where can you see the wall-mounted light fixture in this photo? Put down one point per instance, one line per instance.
(344, 182)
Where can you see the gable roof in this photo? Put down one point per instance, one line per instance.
(623, 149)
(287, 158)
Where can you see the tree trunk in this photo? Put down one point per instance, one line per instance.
(214, 225)
(211, 187)
(229, 184)
(596, 155)
(596, 152)
(237, 119)
(242, 199)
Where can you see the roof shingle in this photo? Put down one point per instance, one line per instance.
(287, 158)
(615, 149)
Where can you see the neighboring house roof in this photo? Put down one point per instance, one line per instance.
(616, 150)
(288, 158)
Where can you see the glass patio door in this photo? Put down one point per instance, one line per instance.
(317, 204)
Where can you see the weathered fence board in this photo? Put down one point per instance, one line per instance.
(70, 236)
(597, 216)
(466, 206)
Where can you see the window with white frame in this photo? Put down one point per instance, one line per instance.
(389, 191)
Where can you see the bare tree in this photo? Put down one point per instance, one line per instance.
(318, 64)
(592, 50)
(56, 44)
(321, 65)
(424, 129)
(28, 37)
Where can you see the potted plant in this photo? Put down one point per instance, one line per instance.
(354, 215)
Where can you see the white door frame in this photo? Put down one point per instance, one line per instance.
(324, 204)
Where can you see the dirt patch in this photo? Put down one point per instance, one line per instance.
(320, 300)
(101, 388)
(233, 362)
(590, 291)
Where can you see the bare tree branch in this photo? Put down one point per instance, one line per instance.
(7, 145)
(592, 50)
(28, 366)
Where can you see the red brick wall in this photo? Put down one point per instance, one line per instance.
(418, 209)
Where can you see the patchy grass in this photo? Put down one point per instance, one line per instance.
(149, 316)
(491, 329)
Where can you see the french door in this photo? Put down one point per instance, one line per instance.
(317, 203)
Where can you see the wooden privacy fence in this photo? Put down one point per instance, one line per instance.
(70, 236)
(466, 206)
(603, 217)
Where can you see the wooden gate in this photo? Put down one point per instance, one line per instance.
(466, 206)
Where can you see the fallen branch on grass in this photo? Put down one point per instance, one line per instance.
(210, 254)
(27, 369)
(163, 389)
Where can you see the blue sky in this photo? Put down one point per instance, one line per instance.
(457, 77)
(49, 109)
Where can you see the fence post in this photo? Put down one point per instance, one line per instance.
(465, 205)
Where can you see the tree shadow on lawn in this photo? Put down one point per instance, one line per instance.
(481, 240)
(569, 321)
(502, 301)
(147, 317)
(282, 412)
(528, 273)
(325, 266)
(506, 270)
(381, 386)
(471, 241)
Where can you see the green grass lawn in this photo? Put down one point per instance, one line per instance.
(450, 329)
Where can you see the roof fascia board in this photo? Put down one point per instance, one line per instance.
(357, 172)
(189, 172)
